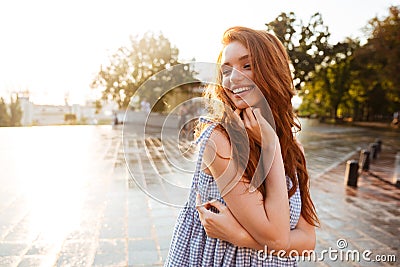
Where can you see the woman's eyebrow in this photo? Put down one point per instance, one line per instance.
(239, 59)
(243, 57)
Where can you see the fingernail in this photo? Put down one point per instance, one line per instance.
(211, 200)
(252, 189)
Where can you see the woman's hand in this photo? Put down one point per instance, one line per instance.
(259, 127)
(222, 225)
(265, 219)
(265, 136)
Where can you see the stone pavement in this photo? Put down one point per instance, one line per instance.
(111, 220)
(362, 218)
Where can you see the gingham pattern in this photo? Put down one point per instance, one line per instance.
(190, 245)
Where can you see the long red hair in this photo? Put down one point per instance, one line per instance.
(272, 75)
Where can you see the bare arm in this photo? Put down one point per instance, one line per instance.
(267, 221)
(224, 226)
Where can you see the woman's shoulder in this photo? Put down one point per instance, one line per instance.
(219, 142)
(217, 153)
(217, 149)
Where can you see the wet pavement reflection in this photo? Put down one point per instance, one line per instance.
(67, 198)
(327, 145)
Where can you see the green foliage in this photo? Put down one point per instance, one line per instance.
(98, 106)
(379, 61)
(346, 79)
(4, 116)
(70, 117)
(307, 44)
(15, 112)
(10, 115)
(133, 65)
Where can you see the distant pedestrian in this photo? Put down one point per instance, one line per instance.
(145, 106)
(396, 118)
(116, 122)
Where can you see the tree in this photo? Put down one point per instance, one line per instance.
(363, 80)
(307, 45)
(313, 99)
(337, 80)
(321, 71)
(4, 116)
(382, 55)
(15, 112)
(131, 66)
(332, 79)
(375, 69)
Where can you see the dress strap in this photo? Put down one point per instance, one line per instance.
(206, 131)
(204, 119)
(204, 137)
(202, 140)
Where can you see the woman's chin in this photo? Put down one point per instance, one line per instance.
(241, 104)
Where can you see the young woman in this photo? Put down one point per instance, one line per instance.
(256, 175)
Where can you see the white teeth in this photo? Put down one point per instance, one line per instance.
(241, 89)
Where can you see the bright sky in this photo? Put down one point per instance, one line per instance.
(53, 48)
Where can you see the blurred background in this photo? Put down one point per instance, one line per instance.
(79, 62)
(82, 185)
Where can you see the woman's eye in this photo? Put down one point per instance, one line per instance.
(226, 72)
(247, 66)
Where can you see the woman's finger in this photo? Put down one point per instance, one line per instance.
(199, 206)
(218, 205)
(251, 117)
(237, 112)
(246, 120)
(198, 200)
(256, 112)
(268, 133)
(258, 116)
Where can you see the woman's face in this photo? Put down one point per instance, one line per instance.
(237, 76)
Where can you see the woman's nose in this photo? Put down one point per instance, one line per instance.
(236, 76)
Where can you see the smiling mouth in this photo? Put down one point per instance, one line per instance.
(242, 89)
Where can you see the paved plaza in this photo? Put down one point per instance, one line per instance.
(67, 198)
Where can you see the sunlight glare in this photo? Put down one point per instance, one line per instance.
(54, 194)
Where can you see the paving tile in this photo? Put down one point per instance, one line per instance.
(40, 248)
(9, 260)
(142, 244)
(109, 259)
(113, 228)
(67, 260)
(120, 225)
(144, 258)
(12, 249)
(140, 231)
(29, 261)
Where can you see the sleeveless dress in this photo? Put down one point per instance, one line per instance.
(190, 245)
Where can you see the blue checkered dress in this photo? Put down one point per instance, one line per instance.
(190, 245)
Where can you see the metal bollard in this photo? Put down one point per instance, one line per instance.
(396, 174)
(373, 150)
(379, 142)
(364, 160)
(351, 174)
